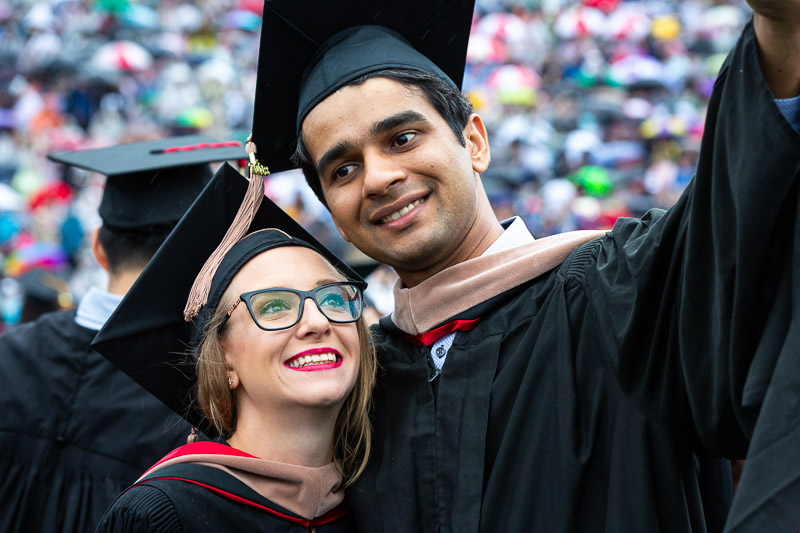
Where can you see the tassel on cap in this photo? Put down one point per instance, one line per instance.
(198, 296)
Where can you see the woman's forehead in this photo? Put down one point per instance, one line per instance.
(294, 267)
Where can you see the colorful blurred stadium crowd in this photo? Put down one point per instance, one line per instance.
(594, 109)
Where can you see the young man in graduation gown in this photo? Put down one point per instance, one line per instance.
(581, 382)
(75, 430)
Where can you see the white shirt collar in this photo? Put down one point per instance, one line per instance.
(514, 235)
(96, 307)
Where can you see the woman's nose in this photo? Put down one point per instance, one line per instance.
(312, 322)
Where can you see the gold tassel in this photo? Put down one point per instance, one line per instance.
(255, 166)
(198, 296)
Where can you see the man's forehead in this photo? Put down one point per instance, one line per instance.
(366, 103)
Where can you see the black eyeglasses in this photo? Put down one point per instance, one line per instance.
(274, 309)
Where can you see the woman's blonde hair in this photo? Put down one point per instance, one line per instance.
(353, 432)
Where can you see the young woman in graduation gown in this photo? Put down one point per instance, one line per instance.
(280, 367)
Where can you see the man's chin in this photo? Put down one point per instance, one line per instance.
(416, 262)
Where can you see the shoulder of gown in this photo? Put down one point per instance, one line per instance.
(143, 508)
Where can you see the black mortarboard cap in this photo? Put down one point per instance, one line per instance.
(147, 336)
(47, 287)
(151, 184)
(311, 49)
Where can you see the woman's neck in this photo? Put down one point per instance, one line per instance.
(302, 436)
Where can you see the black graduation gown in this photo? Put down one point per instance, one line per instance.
(593, 397)
(74, 431)
(194, 497)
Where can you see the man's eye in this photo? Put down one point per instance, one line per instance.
(403, 138)
(343, 171)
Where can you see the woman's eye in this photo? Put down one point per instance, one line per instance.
(403, 138)
(273, 307)
(333, 301)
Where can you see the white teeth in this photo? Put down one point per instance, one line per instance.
(404, 211)
(315, 359)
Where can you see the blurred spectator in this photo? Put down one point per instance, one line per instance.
(44, 292)
(77, 430)
(594, 108)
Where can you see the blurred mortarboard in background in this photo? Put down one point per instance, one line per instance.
(44, 291)
(147, 336)
(151, 184)
(47, 288)
(325, 45)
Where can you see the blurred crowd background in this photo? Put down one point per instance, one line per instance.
(595, 110)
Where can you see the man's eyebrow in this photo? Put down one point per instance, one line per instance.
(379, 128)
(398, 119)
(335, 152)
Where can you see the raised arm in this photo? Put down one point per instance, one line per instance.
(777, 27)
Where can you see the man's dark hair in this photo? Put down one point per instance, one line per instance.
(448, 101)
(128, 249)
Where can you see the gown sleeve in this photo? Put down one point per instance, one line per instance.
(141, 509)
(696, 302)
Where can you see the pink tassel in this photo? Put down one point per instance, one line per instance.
(198, 296)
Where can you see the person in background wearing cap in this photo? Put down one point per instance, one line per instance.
(45, 292)
(75, 430)
(581, 382)
(279, 367)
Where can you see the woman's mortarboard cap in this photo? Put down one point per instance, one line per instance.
(327, 51)
(147, 336)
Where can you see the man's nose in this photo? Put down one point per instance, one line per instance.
(381, 173)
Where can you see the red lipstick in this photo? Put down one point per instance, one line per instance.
(310, 366)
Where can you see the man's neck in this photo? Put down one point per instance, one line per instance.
(484, 232)
(121, 282)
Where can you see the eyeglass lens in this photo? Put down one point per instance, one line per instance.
(275, 308)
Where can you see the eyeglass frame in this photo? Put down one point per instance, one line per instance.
(304, 295)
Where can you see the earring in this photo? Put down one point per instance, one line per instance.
(230, 382)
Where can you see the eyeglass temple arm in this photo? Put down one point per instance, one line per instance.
(233, 307)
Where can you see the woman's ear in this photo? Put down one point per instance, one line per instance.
(231, 376)
(477, 141)
(233, 379)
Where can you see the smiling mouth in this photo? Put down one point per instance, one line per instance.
(317, 359)
(401, 212)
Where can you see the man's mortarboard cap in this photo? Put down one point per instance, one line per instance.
(147, 336)
(151, 184)
(333, 43)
